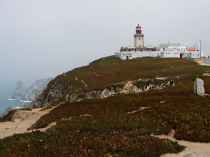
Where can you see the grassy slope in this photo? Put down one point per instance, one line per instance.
(103, 127)
(106, 71)
(63, 142)
(175, 108)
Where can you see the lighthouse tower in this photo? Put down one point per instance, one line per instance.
(139, 38)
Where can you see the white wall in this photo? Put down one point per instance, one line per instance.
(139, 41)
(161, 54)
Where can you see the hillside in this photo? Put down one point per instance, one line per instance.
(119, 125)
(105, 72)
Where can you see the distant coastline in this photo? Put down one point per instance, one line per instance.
(19, 95)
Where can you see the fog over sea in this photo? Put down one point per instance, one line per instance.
(6, 90)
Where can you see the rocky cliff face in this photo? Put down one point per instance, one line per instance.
(126, 87)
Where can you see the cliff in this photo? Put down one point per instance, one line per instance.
(110, 76)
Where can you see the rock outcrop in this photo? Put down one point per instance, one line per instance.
(125, 87)
(199, 88)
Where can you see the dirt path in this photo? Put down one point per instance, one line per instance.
(22, 120)
(203, 61)
(192, 149)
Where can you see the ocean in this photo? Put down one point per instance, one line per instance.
(6, 90)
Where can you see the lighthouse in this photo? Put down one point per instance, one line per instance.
(139, 38)
(141, 51)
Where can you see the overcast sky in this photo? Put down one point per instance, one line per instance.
(42, 38)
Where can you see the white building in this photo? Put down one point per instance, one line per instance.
(140, 51)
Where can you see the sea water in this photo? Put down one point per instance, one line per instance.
(6, 90)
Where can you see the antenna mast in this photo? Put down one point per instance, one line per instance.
(200, 48)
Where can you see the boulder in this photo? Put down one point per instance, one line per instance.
(105, 93)
(199, 88)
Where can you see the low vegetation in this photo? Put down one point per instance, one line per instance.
(68, 143)
(156, 112)
(105, 72)
(122, 125)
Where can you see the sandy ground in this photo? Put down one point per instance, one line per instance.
(203, 61)
(192, 149)
(21, 122)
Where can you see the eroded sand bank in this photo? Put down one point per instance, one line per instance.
(22, 120)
